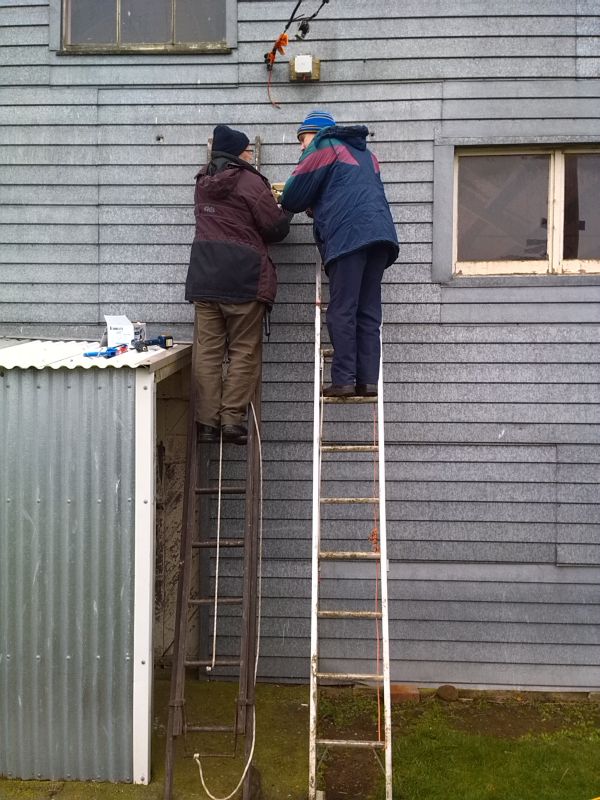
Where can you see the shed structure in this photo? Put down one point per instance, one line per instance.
(492, 383)
(77, 482)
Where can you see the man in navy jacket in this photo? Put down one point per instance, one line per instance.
(337, 179)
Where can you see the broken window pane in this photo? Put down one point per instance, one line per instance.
(503, 207)
(145, 21)
(582, 206)
(200, 20)
(91, 22)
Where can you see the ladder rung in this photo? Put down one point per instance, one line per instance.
(349, 448)
(205, 601)
(350, 743)
(349, 614)
(222, 662)
(349, 555)
(353, 399)
(348, 500)
(210, 728)
(222, 543)
(224, 490)
(349, 676)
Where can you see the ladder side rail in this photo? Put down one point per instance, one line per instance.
(316, 536)
(384, 583)
(175, 723)
(203, 528)
(247, 694)
(248, 620)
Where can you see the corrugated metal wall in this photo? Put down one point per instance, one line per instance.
(66, 573)
(493, 392)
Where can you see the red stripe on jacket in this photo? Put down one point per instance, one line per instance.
(322, 158)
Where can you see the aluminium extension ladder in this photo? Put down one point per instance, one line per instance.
(381, 677)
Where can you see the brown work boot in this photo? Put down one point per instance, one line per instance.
(235, 434)
(339, 390)
(206, 433)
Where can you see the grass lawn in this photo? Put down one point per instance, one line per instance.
(516, 750)
(522, 747)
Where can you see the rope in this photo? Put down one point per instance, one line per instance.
(259, 607)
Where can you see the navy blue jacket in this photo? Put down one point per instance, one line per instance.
(338, 179)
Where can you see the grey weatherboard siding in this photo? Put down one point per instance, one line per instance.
(492, 386)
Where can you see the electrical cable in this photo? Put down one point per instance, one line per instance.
(258, 606)
(283, 39)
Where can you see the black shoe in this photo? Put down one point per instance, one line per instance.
(235, 434)
(339, 390)
(206, 433)
(366, 389)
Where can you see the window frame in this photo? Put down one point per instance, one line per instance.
(188, 48)
(555, 264)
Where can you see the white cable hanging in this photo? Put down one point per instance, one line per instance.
(259, 605)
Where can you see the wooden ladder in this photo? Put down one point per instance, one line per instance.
(199, 544)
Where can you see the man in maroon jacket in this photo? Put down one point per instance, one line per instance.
(232, 281)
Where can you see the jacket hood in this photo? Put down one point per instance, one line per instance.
(219, 184)
(222, 173)
(353, 135)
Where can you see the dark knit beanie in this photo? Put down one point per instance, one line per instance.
(226, 140)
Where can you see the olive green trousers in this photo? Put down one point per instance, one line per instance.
(233, 330)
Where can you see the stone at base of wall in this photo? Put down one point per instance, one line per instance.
(448, 693)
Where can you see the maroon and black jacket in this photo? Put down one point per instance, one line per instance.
(236, 216)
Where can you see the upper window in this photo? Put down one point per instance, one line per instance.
(145, 25)
(526, 212)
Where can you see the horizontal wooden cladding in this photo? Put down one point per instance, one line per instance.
(407, 372)
(526, 352)
(442, 432)
(431, 392)
(446, 412)
(24, 14)
(251, 112)
(457, 454)
(400, 27)
(512, 109)
(380, 9)
(545, 312)
(429, 631)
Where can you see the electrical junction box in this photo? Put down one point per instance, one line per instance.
(305, 68)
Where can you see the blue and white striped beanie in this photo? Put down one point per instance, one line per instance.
(316, 121)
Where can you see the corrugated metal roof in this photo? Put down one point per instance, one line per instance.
(42, 354)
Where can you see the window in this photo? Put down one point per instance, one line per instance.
(526, 212)
(146, 25)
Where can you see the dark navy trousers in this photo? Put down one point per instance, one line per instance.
(354, 314)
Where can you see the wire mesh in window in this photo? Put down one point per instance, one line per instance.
(582, 206)
(91, 22)
(503, 207)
